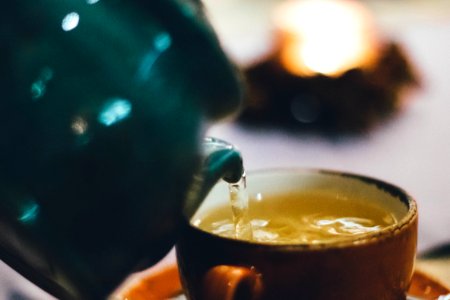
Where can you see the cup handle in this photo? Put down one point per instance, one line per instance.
(225, 282)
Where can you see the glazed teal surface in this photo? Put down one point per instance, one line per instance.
(104, 105)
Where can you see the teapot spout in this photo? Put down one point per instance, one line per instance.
(221, 161)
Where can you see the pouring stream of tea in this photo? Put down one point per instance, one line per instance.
(239, 208)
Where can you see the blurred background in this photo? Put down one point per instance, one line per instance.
(356, 86)
(407, 142)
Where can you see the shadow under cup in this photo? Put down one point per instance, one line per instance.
(376, 265)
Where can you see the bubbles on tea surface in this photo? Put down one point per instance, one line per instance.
(345, 226)
(261, 235)
(224, 228)
(304, 218)
(259, 223)
(309, 229)
(281, 230)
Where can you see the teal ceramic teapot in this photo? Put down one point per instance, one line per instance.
(104, 106)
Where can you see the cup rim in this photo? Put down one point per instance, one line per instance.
(372, 237)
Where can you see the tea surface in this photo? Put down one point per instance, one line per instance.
(300, 218)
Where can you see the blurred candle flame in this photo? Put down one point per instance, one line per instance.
(327, 37)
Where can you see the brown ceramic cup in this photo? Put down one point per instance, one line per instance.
(378, 265)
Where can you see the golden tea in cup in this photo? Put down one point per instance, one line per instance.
(315, 235)
(301, 217)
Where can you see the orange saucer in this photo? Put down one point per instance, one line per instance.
(425, 287)
(165, 284)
